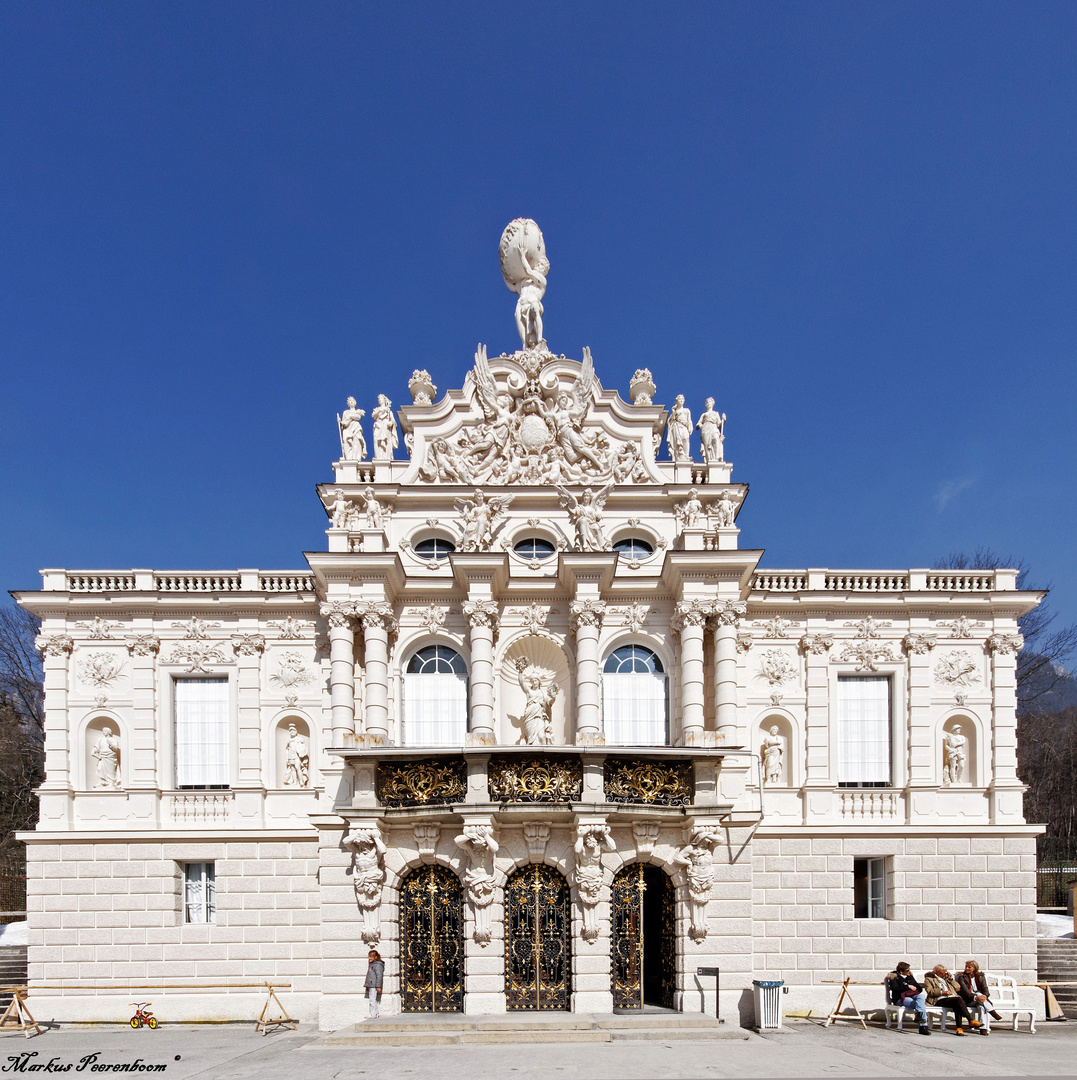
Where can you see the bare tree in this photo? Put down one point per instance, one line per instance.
(21, 675)
(22, 769)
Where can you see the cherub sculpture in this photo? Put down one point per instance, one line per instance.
(352, 440)
(688, 513)
(586, 515)
(338, 510)
(386, 439)
(479, 515)
(724, 511)
(375, 512)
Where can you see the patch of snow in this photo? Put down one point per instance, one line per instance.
(1054, 926)
(13, 933)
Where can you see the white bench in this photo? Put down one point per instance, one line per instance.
(1002, 990)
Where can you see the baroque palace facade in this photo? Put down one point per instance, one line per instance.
(534, 726)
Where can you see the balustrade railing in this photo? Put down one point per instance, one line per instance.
(100, 582)
(286, 582)
(877, 805)
(192, 807)
(981, 581)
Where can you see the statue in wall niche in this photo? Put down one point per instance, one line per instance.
(479, 515)
(352, 441)
(697, 857)
(368, 850)
(773, 752)
(711, 427)
(478, 841)
(386, 439)
(524, 266)
(679, 431)
(955, 749)
(590, 840)
(540, 692)
(688, 513)
(375, 512)
(724, 511)
(106, 752)
(296, 760)
(585, 513)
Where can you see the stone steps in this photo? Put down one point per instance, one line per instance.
(12, 970)
(455, 1029)
(1056, 962)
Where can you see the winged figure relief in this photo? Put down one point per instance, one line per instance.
(479, 515)
(586, 516)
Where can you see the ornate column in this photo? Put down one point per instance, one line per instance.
(689, 620)
(1006, 789)
(340, 616)
(817, 709)
(378, 622)
(921, 744)
(727, 615)
(248, 649)
(586, 621)
(143, 765)
(483, 618)
(55, 652)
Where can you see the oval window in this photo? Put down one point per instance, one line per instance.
(633, 547)
(534, 547)
(434, 547)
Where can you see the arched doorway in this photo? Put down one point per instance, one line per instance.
(538, 941)
(432, 941)
(644, 946)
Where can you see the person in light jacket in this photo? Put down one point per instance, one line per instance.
(942, 992)
(375, 972)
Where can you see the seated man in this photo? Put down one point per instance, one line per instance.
(943, 993)
(973, 986)
(903, 989)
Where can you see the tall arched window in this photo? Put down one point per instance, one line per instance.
(435, 698)
(634, 698)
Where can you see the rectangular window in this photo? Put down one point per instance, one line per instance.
(634, 709)
(199, 893)
(435, 709)
(863, 732)
(201, 733)
(869, 888)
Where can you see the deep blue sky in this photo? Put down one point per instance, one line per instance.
(853, 224)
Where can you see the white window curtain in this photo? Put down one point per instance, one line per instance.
(864, 731)
(634, 709)
(201, 732)
(200, 892)
(435, 709)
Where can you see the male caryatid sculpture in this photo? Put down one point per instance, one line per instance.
(478, 841)
(368, 849)
(590, 840)
(697, 857)
(525, 266)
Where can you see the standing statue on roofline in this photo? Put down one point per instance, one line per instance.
(525, 266)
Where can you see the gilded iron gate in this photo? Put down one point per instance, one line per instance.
(644, 938)
(537, 940)
(432, 941)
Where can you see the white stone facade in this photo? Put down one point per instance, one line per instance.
(532, 532)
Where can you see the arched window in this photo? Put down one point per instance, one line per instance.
(434, 547)
(634, 696)
(633, 547)
(435, 698)
(534, 547)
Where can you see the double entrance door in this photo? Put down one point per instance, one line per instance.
(538, 942)
(432, 941)
(644, 938)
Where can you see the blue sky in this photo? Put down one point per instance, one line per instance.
(853, 224)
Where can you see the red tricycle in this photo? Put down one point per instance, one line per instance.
(142, 1015)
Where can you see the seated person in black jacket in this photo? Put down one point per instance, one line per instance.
(903, 989)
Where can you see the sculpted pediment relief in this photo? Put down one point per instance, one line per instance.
(532, 418)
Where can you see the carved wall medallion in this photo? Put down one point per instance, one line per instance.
(291, 675)
(195, 629)
(100, 670)
(195, 655)
(290, 629)
(430, 782)
(630, 780)
(99, 629)
(958, 668)
(535, 779)
(776, 667)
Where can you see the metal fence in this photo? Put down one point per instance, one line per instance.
(1056, 868)
(12, 884)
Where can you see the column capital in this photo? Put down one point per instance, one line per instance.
(376, 615)
(482, 613)
(248, 644)
(691, 613)
(338, 613)
(143, 645)
(744, 641)
(728, 612)
(587, 613)
(54, 644)
(1006, 644)
(816, 644)
(918, 644)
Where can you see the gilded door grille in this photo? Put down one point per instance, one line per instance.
(644, 938)
(538, 944)
(432, 941)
